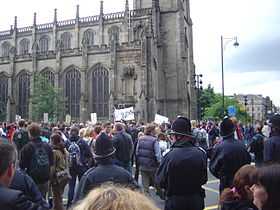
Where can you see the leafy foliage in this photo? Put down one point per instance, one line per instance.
(212, 105)
(46, 99)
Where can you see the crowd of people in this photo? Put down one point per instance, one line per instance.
(38, 161)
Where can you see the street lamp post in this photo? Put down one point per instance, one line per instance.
(198, 87)
(223, 45)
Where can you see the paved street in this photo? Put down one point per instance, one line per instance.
(211, 189)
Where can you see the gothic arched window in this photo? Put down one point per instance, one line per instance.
(5, 49)
(3, 93)
(24, 47)
(66, 40)
(114, 34)
(44, 44)
(48, 75)
(73, 92)
(100, 91)
(23, 94)
(89, 37)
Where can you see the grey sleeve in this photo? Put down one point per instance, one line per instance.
(157, 151)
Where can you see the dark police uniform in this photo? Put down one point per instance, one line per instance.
(227, 158)
(182, 172)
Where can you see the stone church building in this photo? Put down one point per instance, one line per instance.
(141, 58)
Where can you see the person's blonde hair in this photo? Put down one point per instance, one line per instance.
(110, 197)
(88, 132)
(82, 132)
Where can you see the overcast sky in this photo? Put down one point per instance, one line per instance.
(253, 67)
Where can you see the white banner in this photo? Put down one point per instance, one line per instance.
(159, 119)
(93, 118)
(124, 114)
(46, 117)
(68, 119)
(18, 118)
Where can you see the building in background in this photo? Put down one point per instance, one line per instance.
(141, 58)
(258, 107)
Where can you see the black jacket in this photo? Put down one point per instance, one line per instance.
(272, 149)
(238, 205)
(15, 200)
(104, 172)
(227, 157)
(181, 173)
(24, 183)
(123, 144)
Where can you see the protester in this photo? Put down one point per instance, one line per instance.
(228, 156)
(123, 144)
(60, 170)
(11, 199)
(79, 158)
(36, 158)
(266, 130)
(239, 196)
(20, 137)
(105, 171)
(148, 156)
(115, 198)
(272, 145)
(136, 173)
(266, 191)
(183, 170)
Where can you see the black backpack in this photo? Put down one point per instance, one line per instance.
(40, 165)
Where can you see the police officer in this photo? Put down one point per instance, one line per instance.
(272, 145)
(183, 170)
(228, 156)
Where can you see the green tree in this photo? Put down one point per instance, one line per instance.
(46, 99)
(215, 111)
(207, 98)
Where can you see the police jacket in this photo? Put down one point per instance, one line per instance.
(272, 149)
(227, 157)
(183, 170)
(24, 183)
(15, 200)
(105, 171)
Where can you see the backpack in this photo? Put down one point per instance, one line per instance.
(74, 155)
(20, 138)
(40, 165)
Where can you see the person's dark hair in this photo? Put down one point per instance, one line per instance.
(74, 131)
(34, 130)
(57, 142)
(21, 123)
(106, 124)
(245, 176)
(8, 156)
(97, 129)
(269, 178)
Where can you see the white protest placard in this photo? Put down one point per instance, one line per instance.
(159, 119)
(68, 119)
(46, 117)
(93, 118)
(124, 114)
(18, 118)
